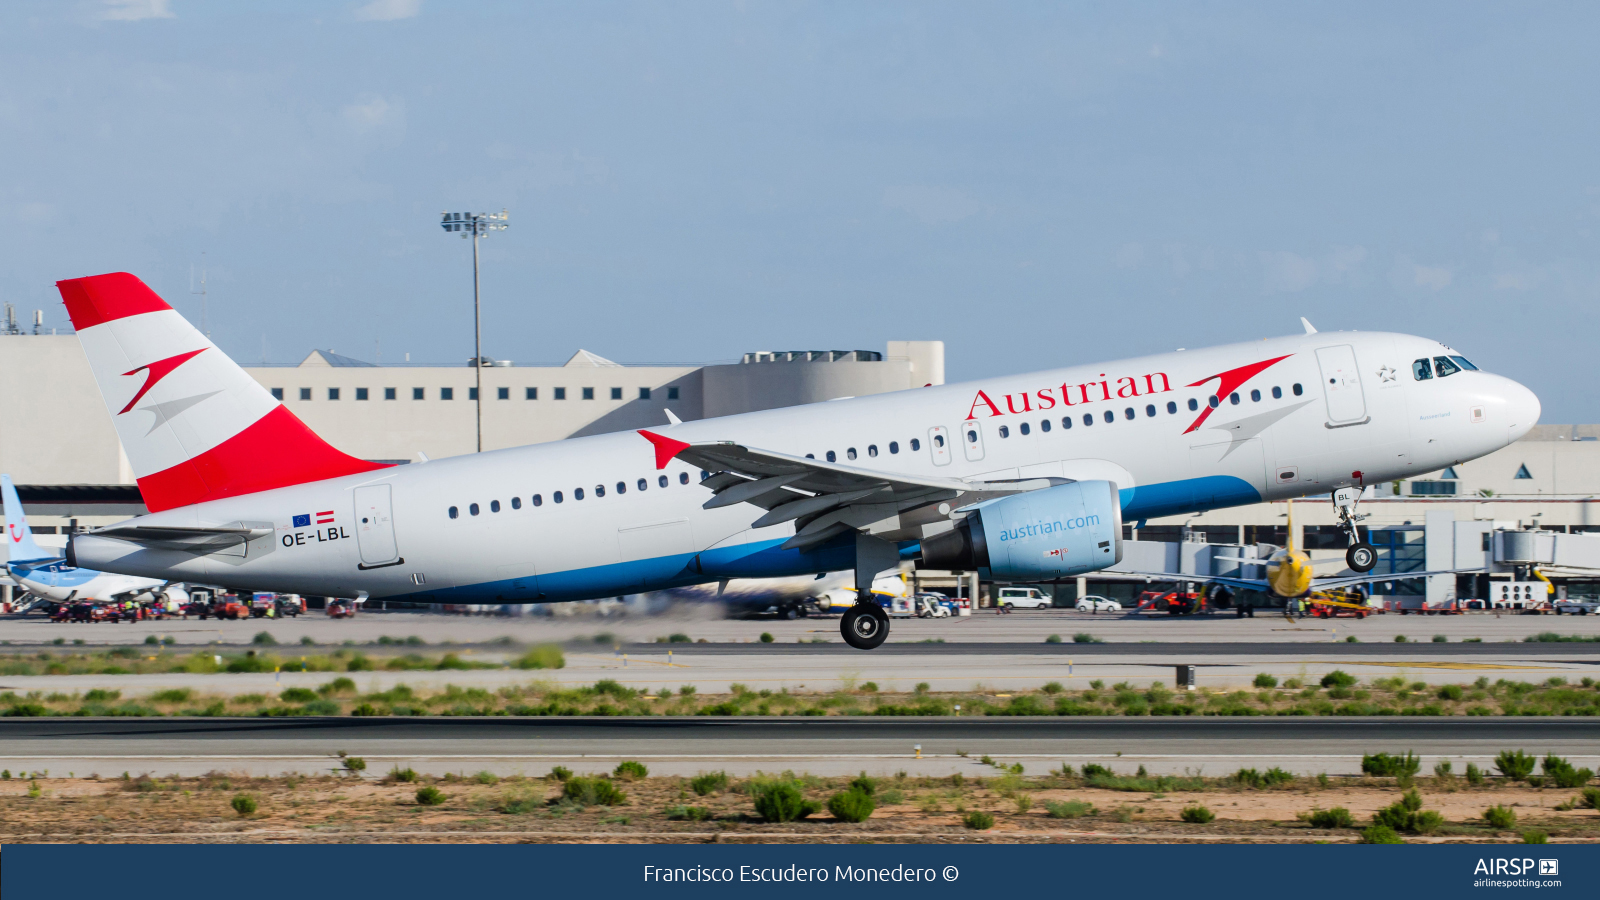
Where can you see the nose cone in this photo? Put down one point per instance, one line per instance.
(1522, 410)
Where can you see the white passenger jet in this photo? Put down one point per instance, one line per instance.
(1024, 478)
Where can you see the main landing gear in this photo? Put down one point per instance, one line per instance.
(866, 625)
(1361, 556)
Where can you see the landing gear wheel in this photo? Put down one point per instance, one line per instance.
(1361, 557)
(864, 626)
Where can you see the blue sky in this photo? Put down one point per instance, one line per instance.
(1035, 184)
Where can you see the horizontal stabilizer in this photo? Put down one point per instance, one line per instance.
(193, 540)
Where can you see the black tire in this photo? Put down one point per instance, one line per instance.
(1361, 557)
(790, 613)
(864, 626)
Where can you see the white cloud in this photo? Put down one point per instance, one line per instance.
(1435, 278)
(370, 114)
(1285, 272)
(135, 10)
(388, 10)
(933, 205)
(35, 211)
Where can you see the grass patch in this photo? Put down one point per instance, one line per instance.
(1070, 809)
(782, 801)
(544, 656)
(592, 792)
(977, 821)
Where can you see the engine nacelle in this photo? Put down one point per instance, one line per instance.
(1058, 532)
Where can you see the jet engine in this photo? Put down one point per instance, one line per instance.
(1057, 532)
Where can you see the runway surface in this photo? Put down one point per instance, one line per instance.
(704, 622)
(812, 668)
(1587, 652)
(741, 745)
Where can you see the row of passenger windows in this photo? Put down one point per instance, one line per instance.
(531, 393)
(1446, 366)
(872, 450)
(1046, 425)
(577, 494)
(1150, 411)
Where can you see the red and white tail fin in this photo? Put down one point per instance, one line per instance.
(194, 425)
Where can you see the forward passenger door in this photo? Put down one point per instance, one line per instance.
(1341, 385)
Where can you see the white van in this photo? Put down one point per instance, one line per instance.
(1023, 598)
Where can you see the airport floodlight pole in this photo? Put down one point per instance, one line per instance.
(475, 225)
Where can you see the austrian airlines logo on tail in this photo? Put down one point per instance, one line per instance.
(156, 371)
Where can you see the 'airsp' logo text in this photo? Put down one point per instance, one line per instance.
(1500, 866)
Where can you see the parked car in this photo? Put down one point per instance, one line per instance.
(1022, 598)
(1096, 603)
(1577, 607)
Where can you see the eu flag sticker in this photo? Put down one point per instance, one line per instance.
(302, 521)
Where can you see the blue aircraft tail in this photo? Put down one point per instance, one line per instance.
(19, 539)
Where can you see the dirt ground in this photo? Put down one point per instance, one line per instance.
(482, 809)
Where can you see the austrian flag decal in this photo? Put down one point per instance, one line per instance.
(304, 520)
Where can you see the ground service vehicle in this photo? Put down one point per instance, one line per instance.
(1096, 603)
(1022, 598)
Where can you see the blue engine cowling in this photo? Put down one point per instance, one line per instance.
(1058, 532)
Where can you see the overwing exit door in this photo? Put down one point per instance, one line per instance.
(972, 440)
(1341, 385)
(375, 527)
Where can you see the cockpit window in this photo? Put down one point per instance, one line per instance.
(1445, 366)
(1464, 363)
(1422, 369)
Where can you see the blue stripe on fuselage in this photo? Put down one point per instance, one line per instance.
(763, 559)
(1171, 498)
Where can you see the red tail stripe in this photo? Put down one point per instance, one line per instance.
(106, 298)
(277, 451)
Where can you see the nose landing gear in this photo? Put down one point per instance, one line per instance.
(1361, 556)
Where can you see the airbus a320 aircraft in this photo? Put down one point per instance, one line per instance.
(1025, 478)
(49, 575)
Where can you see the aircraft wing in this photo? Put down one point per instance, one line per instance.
(174, 537)
(823, 499)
